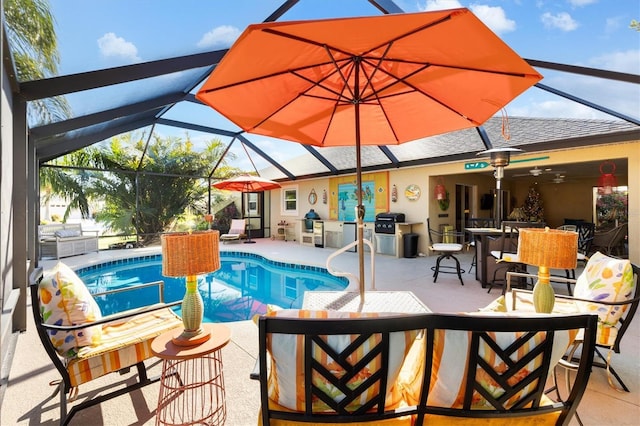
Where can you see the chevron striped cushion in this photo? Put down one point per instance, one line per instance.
(451, 352)
(122, 345)
(287, 354)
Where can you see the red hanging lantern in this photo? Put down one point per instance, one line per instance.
(607, 181)
(440, 192)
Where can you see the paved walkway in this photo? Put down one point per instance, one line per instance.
(27, 402)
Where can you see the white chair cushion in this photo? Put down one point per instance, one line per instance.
(506, 257)
(447, 247)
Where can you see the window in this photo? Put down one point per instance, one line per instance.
(610, 210)
(290, 201)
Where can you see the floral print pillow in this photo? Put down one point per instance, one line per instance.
(65, 300)
(605, 279)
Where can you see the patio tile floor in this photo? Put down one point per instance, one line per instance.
(26, 400)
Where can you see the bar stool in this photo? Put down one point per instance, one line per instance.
(446, 250)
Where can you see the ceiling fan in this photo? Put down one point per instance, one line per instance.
(558, 179)
(536, 171)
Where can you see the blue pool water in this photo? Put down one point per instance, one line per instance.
(242, 287)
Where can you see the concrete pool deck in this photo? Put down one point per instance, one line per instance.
(26, 400)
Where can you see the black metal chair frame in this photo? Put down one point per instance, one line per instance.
(445, 253)
(313, 331)
(478, 222)
(609, 242)
(585, 232)
(632, 304)
(481, 328)
(64, 387)
(509, 245)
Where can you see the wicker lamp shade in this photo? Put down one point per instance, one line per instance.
(187, 255)
(552, 248)
(547, 249)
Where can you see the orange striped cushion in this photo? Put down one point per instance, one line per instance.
(286, 379)
(451, 351)
(123, 344)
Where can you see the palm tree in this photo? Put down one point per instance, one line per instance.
(32, 38)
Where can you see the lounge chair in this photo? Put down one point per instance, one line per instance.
(83, 345)
(236, 231)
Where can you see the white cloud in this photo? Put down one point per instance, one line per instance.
(580, 3)
(562, 21)
(627, 61)
(441, 4)
(621, 97)
(112, 46)
(560, 108)
(494, 17)
(222, 36)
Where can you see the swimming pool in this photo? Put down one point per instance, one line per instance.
(242, 287)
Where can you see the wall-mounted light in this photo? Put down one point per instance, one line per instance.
(440, 192)
(607, 181)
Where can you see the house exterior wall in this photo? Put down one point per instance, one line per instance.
(572, 199)
(6, 216)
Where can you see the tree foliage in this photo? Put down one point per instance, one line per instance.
(32, 37)
(144, 189)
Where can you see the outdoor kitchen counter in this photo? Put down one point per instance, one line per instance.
(384, 243)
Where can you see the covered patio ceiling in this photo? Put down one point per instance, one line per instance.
(142, 96)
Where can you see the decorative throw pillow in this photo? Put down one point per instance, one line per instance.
(498, 305)
(65, 300)
(66, 233)
(449, 368)
(605, 279)
(287, 354)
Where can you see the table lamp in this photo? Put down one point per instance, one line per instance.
(186, 254)
(547, 249)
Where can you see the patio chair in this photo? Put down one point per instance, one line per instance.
(585, 232)
(83, 345)
(507, 255)
(446, 244)
(610, 242)
(494, 368)
(478, 222)
(615, 298)
(333, 367)
(236, 231)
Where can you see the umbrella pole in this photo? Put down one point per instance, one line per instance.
(245, 197)
(360, 207)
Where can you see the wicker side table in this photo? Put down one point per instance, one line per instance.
(192, 383)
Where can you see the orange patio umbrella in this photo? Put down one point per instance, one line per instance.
(380, 80)
(244, 184)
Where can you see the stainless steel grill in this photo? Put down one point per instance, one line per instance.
(386, 222)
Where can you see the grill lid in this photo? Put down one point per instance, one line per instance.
(391, 217)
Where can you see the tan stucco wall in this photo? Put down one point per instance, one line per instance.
(572, 199)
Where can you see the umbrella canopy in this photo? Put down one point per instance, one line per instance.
(380, 80)
(247, 183)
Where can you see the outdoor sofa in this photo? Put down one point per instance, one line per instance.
(66, 239)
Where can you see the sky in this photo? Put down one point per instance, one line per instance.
(95, 34)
